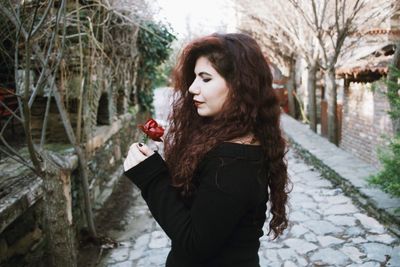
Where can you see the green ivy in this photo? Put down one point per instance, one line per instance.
(154, 45)
(393, 94)
(389, 176)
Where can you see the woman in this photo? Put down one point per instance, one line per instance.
(224, 156)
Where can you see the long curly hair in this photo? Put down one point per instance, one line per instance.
(251, 103)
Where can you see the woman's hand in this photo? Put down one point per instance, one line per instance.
(136, 154)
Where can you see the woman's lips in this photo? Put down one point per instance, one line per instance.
(197, 103)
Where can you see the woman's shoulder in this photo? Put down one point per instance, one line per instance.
(231, 157)
(233, 160)
(236, 150)
(236, 174)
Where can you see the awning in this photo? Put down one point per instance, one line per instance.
(367, 64)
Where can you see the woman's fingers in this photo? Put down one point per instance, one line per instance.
(130, 161)
(134, 157)
(145, 150)
(136, 154)
(133, 145)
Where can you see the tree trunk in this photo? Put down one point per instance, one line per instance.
(60, 236)
(311, 90)
(332, 106)
(393, 78)
(291, 88)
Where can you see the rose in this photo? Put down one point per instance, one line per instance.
(152, 130)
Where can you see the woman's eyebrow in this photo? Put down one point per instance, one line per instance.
(204, 73)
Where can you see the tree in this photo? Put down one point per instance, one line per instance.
(60, 235)
(332, 22)
(286, 34)
(154, 45)
(279, 51)
(318, 30)
(40, 31)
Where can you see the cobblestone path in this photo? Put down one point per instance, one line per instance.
(326, 229)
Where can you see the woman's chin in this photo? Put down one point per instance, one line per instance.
(203, 114)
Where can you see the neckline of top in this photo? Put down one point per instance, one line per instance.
(241, 144)
(237, 150)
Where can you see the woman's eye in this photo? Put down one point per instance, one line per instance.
(206, 80)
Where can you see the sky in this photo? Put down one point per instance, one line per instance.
(200, 16)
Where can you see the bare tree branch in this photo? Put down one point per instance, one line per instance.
(17, 158)
(16, 154)
(43, 18)
(26, 111)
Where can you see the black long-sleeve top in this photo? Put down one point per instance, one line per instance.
(222, 223)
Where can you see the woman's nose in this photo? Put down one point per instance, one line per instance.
(194, 88)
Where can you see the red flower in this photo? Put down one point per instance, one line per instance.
(152, 130)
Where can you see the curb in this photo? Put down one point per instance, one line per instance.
(345, 171)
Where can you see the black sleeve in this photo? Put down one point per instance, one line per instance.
(202, 230)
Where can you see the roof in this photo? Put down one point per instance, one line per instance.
(367, 64)
(380, 31)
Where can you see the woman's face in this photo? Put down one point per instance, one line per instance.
(209, 89)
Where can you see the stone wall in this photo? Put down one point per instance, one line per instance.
(22, 239)
(22, 243)
(366, 123)
(104, 91)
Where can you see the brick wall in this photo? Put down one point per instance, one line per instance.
(366, 124)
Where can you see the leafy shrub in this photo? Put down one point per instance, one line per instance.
(389, 176)
(154, 44)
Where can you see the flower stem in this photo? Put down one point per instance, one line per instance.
(145, 138)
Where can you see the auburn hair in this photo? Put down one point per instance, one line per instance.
(251, 103)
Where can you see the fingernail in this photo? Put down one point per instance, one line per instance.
(140, 144)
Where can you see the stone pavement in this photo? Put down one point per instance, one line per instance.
(344, 170)
(326, 228)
